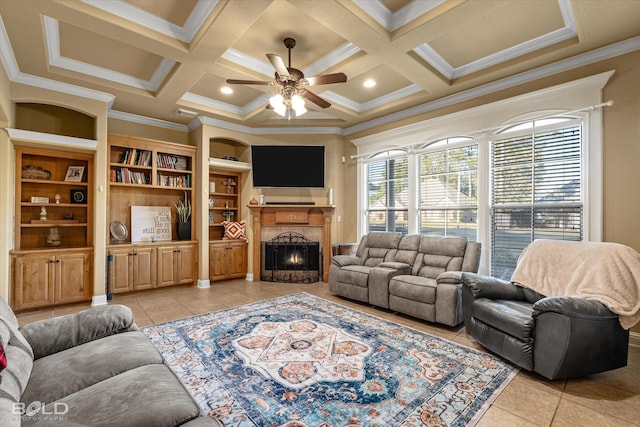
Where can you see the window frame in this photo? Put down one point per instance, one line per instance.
(582, 98)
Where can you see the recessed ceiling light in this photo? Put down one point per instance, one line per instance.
(369, 83)
(226, 90)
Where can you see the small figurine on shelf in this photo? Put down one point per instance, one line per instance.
(226, 204)
(57, 197)
(211, 202)
(43, 213)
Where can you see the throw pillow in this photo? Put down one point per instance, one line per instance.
(3, 358)
(234, 230)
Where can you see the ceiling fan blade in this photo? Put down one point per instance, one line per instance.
(248, 82)
(316, 99)
(327, 79)
(278, 64)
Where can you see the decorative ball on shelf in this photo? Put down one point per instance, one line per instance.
(57, 197)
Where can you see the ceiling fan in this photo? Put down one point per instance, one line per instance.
(293, 85)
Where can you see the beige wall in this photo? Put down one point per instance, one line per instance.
(621, 154)
(6, 189)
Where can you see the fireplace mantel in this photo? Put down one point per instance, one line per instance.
(295, 216)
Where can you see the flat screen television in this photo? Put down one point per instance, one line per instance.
(288, 166)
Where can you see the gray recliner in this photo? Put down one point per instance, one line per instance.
(349, 274)
(556, 336)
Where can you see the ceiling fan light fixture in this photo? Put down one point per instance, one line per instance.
(277, 101)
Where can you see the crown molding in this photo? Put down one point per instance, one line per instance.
(392, 21)
(131, 13)
(52, 38)
(149, 121)
(427, 53)
(377, 102)
(200, 120)
(48, 138)
(601, 54)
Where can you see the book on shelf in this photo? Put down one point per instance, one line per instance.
(174, 181)
(127, 176)
(135, 157)
(170, 161)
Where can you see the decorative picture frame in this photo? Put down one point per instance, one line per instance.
(74, 173)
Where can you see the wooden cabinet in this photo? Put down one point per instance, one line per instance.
(132, 268)
(176, 264)
(227, 259)
(52, 259)
(48, 278)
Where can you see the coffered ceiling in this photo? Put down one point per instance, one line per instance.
(151, 57)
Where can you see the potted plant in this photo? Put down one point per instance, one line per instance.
(183, 211)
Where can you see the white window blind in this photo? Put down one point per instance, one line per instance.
(448, 189)
(388, 195)
(536, 190)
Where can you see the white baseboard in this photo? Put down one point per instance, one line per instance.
(203, 284)
(97, 300)
(249, 277)
(634, 339)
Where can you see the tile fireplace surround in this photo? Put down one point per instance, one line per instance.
(312, 221)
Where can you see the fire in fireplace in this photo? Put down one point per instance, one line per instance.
(290, 258)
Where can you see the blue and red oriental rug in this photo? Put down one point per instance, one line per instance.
(300, 360)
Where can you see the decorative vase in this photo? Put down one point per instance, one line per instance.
(184, 231)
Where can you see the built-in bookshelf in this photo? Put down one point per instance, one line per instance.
(145, 172)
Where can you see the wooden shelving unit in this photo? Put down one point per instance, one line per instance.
(51, 262)
(144, 172)
(227, 258)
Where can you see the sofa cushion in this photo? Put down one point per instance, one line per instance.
(357, 275)
(66, 372)
(149, 395)
(514, 318)
(414, 288)
(14, 378)
(439, 254)
(408, 249)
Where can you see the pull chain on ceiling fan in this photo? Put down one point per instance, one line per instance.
(294, 86)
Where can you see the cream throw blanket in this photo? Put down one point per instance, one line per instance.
(606, 272)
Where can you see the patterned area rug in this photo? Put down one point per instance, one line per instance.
(302, 361)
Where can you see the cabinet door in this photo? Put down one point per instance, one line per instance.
(217, 265)
(72, 277)
(237, 258)
(167, 265)
(185, 269)
(144, 268)
(121, 271)
(33, 281)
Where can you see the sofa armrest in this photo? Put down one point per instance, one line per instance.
(449, 277)
(60, 333)
(396, 266)
(573, 307)
(344, 260)
(491, 287)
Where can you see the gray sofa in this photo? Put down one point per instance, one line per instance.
(92, 368)
(415, 275)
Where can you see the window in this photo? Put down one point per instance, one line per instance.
(448, 188)
(536, 188)
(388, 192)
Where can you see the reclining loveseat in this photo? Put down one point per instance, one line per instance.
(411, 274)
(92, 368)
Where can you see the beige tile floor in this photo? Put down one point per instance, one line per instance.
(606, 399)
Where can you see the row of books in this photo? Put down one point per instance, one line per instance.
(174, 181)
(169, 161)
(128, 176)
(133, 156)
